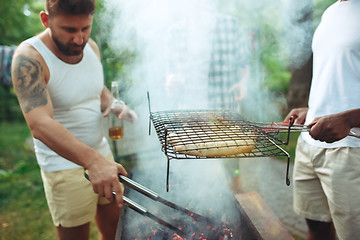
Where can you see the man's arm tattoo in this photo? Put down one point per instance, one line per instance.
(29, 83)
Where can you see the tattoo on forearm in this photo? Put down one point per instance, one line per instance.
(29, 83)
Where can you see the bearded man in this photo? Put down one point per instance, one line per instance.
(58, 79)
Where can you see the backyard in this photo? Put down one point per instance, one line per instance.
(24, 214)
(23, 209)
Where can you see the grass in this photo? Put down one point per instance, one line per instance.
(23, 209)
(291, 146)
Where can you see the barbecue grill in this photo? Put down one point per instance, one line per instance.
(207, 134)
(204, 134)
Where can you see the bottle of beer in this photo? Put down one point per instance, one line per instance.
(116, 125)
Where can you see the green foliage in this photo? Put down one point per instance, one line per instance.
(114, 61)
(12, 143)
(277, 76)
(15, 26)
(291, 147)
(319, 8)
(19, 20)
(9, 106)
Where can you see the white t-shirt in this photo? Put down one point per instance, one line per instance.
(336, 69)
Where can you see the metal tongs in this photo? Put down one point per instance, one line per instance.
(284, 127)
(156, 197)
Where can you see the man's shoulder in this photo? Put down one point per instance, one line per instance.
(25, 49)
(25, 53)
(94, 47)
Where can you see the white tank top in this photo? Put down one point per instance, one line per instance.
(75, 91)
(336, 80)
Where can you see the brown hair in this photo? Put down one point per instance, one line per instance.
(71, 7)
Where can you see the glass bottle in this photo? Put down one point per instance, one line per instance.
(116, 125)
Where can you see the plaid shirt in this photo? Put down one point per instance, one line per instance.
(229, 54)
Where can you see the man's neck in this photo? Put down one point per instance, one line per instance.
(49, 42)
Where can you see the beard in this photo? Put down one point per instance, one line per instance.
(69, 49)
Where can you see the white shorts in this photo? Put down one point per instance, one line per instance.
(327, 187)
(70, 196)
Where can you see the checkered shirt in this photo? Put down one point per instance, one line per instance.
(230, 53)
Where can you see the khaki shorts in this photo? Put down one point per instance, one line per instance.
(327, 187)
(70, 196)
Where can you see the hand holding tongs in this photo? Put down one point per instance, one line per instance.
(156, 197)
(284, 127)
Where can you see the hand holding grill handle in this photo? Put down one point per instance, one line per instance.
(329, 128)
(283, 127)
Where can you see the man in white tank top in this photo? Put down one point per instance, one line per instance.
(327, 162)
(59, 82)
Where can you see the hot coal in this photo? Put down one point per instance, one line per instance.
(148, 229)
(217, 226)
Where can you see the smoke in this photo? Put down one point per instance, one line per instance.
(299, 32)
(145, 27)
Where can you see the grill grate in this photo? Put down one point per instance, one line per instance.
(197, 128)
(204, 134)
